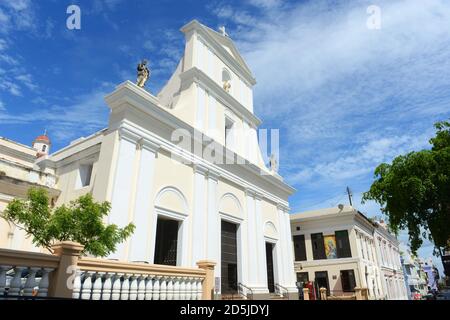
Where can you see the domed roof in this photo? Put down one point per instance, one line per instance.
(43, 138)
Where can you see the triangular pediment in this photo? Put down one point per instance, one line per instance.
(229, 46)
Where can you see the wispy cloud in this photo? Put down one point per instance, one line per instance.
(87, 114)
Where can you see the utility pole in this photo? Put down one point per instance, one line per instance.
(349, 192)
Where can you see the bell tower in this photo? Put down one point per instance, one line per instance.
(42, 145)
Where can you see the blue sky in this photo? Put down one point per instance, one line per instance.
(344, 97)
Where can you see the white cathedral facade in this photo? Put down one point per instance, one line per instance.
(150, 164)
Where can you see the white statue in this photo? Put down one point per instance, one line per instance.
(143, 73)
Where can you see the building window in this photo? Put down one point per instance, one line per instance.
(343, 244)
(85, 173)
(44, 147)
(318, 246)
(303, 277)
(299, 248)
(348, 280)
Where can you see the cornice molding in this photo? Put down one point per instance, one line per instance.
(195, 75)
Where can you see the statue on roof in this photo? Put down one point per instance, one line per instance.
(143, 73)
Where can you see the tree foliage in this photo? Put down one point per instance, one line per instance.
(81, 221)
(414, 191)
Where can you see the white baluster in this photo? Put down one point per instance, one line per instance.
(16, 282)
(43, 284)
(141, 287)
(107, 287)
(133, 287)
(199, 288)
(188, 294)
(194, 289)
(183, 288)
(170, 288)
(176, 289)
(163, 289)
(117, 286)
(156, 288)
(76, 285)
(86, 288)
(97, 288)
(125, 292)
(3, 270)
(149, 288)
(30, 284)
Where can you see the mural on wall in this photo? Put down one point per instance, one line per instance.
(330, 246)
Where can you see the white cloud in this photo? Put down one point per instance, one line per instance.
(86, 114)
(27, 80)
(2, 106)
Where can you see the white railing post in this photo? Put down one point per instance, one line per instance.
(3, 270)
(86, 288)
(188, 295)
(125, 292)
(176, 289)
(97, 288)
(44, 283)
(156, 288)
(117, 286)
(133, 287)
(183, 288)
(149, 288)
(170, 288)
(141, 288)
(30, 283)
(107, 287)
(76, 285)
(163, 289)
(199, 288)
(16, 282)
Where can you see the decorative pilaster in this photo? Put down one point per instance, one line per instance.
(140, 240)
(199, 216)
(122, 187)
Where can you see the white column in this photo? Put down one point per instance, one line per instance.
(143, 211)
(121, 194)
(213, 227)
(199, 216)
(260, 243)
(282, 249)
(251, 236)
(290, 277)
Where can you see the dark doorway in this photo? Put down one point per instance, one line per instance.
(166, 242)
(229, 279)
(269, 259)
(321, 281)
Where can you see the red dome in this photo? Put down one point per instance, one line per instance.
(42, 138)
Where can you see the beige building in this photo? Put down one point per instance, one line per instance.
(18, 172)
(184, 166)
(335, 249)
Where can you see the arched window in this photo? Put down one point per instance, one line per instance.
(44, 147)
(226, 80)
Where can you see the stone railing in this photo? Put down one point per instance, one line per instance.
(66, 274)
(25, 273)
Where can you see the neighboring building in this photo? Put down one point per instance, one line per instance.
(335, 248)
(388, 252)
(415, 276)
(184, 166)
(18, 172)
(432, 273)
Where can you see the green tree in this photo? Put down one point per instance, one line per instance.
(81, 221)
(414, 192)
